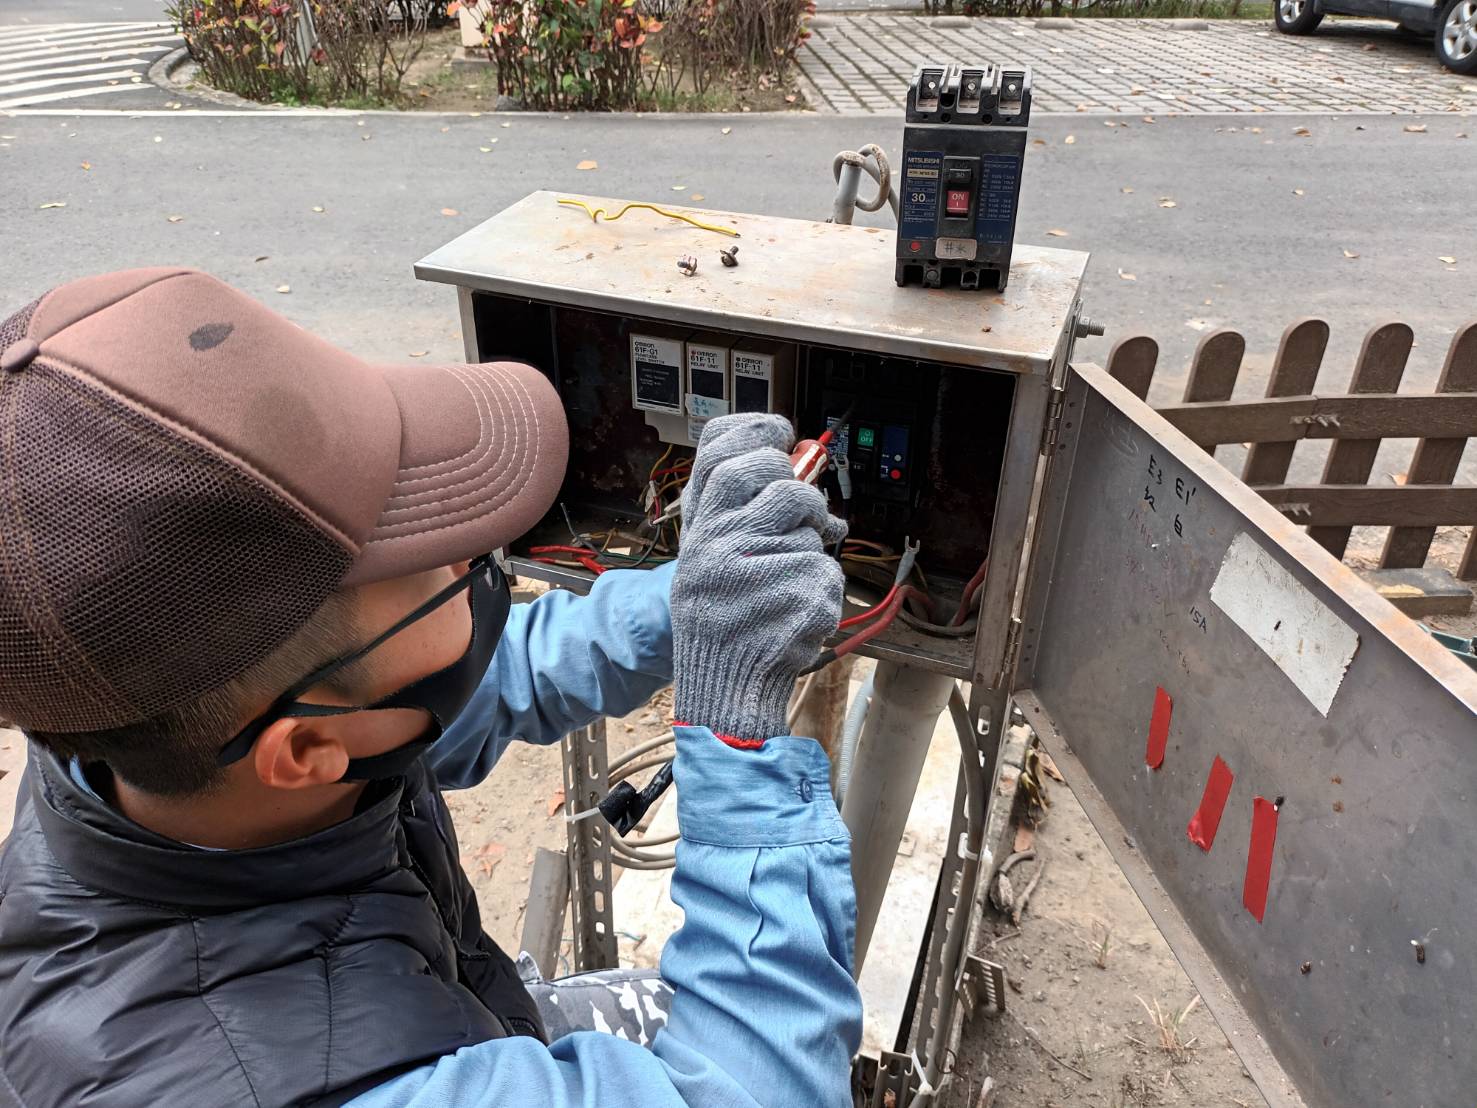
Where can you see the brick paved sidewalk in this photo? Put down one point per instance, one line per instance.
(860, 63)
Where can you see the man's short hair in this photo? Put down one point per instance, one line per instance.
(174, 753)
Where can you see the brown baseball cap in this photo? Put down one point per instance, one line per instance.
(185, 476)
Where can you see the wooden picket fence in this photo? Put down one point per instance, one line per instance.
(1372, 410)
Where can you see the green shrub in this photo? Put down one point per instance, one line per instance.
(556, 55)
(304, 51)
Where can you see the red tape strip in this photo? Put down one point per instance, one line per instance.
(1259, 856)
(1159, 728)
(1207, 818)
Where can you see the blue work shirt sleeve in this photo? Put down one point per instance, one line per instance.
(564, 661)
(764, 1011)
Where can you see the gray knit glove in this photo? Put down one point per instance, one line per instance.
(755, 595)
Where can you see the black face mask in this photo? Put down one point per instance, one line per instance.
(443, 694)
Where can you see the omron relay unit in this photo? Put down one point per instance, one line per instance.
(963, 147)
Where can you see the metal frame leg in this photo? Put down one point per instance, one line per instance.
(585, 782)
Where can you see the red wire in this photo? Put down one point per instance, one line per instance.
(862, 617)
(965, 601)
(872, 630)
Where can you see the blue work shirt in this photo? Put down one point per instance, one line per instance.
(765, 1011)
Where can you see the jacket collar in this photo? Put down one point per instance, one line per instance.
(105, 850)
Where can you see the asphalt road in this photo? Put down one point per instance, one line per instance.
(23, 12)
(1238, 236)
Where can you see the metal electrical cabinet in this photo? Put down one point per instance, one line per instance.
(1138, 595)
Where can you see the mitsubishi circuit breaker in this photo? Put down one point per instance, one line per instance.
(964, 144)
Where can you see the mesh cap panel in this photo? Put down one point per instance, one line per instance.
(205, 572)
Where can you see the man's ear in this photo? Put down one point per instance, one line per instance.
(299, 754)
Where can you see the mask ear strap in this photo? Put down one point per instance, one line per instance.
(392, 763)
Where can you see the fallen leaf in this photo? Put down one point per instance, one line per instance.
(1127, 276)
(507, 124)
(86, 165)
(1110, 123)
(1043, 759)
(697, 196)
(54, 204)
(176, 219)
(1415, 128)
(556, 801)
(1350, 254)
(489, 856)
(1447, 258)
(1255, 130)
(1369, 48)
(1126, 189)
(1301, 131)
(1399, 478)
(284, 288)
(1070, 139)
(444, 130)
(1298, 192)
(318, 208)
(1057, 233)
(679, 188)
(588, 163)
(1024, 837)
(1038, 142)
(158, 138)
(450, 211)
(1149, 119)
(259, 258)
(419, 353)
(790, 99)
(485, 149)
(1167, 202)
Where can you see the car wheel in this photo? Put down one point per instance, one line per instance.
(1456, 36)
(1298, 17)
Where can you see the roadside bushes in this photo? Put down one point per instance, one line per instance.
(554, 55)
(304, 51)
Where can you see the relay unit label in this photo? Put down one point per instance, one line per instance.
(920, 194)
(753, 375)
(707, 381)
(1000, 176)
(656, 374)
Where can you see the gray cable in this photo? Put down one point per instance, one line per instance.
(851, 733)
(881, 172)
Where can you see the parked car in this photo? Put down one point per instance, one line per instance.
(1454, 22)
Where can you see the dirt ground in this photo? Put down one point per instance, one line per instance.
(1084, 1001)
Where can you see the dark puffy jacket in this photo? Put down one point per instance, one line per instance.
(136, 972)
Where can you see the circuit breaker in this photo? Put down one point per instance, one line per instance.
(964, 147)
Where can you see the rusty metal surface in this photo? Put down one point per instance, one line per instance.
(800, 281)
(1376, 788)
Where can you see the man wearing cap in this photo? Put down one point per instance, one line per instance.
(250, 626)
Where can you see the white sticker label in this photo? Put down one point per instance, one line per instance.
(695, 429)
(1300, 633)
(956, 248)
(705, 407)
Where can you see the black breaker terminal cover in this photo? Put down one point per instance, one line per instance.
(964, 145)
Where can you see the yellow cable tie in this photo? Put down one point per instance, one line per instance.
(596, 213)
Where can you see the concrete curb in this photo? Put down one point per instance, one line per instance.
(174, 73)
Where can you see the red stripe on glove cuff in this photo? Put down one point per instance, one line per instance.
(727, 740)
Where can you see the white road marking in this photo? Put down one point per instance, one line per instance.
(37, 64)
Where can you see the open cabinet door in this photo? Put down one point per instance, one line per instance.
(1283, 764)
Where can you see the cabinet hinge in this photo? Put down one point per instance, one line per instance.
(1053, 420)
(1012, 650)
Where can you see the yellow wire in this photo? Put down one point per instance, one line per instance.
(596, 213)
(665, 454)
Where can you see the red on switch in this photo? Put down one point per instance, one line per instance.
(956, 203)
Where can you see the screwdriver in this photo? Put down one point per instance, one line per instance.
(810, 457)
